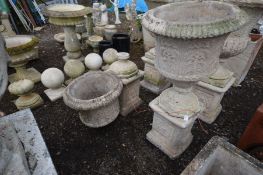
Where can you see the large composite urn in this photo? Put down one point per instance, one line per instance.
(189, 38)
(68, 15)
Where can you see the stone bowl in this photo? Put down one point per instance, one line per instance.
(19, 44)
(66, 14)
(60, 37)
(194, 19)
(95, 95)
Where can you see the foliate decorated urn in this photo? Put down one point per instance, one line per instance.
(189, 38)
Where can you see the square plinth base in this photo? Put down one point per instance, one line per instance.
(54, 94)
(154, 88)
(66, 58)
(31, 74)
(125, 110)
(171, 135)
(210, 116)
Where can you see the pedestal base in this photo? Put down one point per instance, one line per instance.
(210, 116)
(125, 110)
(211, 97)
(30, 74)
(32, 101)
(129, 98)
(171, 135)
(66, 58)
(153, 88)
(54, 94)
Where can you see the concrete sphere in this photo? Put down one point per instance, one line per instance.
(52, 78)
(93, 61)
(74, 68)
(110, 55)
(21, 87)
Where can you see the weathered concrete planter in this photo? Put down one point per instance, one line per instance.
(22, 49)
(68, 15)
(210, 92)
(188, 45)
(219, 157)
(153, 80)
(95, 95)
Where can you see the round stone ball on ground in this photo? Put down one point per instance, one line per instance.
(52, 78)
(93, 61)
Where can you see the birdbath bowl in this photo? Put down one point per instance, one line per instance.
(95, 95)
(189, 37)
(68, 16)
(22, 49)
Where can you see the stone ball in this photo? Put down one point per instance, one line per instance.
(110, 55)
(52, 78)
(21, 87)
(74, 68)
(93, 61)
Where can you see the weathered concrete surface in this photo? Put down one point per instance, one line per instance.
(38, 159)
(219, 157)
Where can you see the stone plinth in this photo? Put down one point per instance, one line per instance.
(170, 134)
(129, 98)
(240, 64)
(130, 75)
(55, 94)
(153, 80)
(211, 97)
(218, 157)
(38, 159)
(210, 92)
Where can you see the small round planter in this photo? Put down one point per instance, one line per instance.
(95, 95)
(121, 42)
(104, 45)
(109, 31)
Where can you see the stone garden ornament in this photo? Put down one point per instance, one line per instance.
(53, 79)
(22, 49)
(27, 98)
(95, 95)
(116, 11)
(104, 15)
(188, 45)
(130, 76)
(68, 15)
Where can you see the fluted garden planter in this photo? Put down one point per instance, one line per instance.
(95, 95)
(189, 38)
